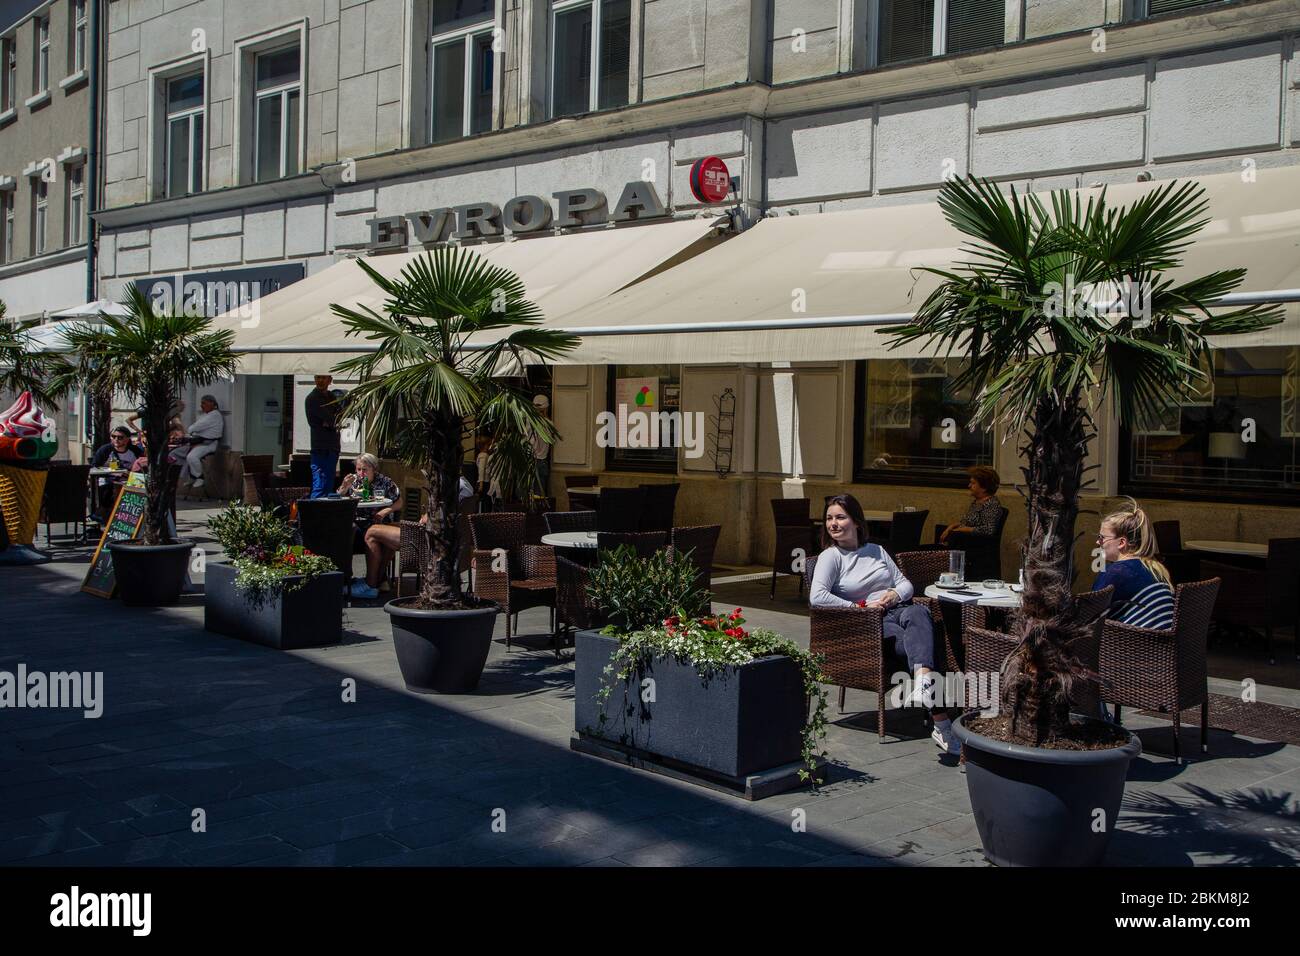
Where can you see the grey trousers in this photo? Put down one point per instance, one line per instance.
(910, 633)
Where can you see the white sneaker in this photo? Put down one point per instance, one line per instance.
(196, 485)
(946, 741)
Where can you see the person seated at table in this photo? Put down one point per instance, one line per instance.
(1144, 594)
(126, 454)
(982, 516)
(850, 573)
(382, 540)
(173, 418)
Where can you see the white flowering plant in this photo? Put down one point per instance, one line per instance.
(712, 643)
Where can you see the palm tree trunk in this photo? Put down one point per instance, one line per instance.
(157, 408)
(441, 585)
(1039, 673)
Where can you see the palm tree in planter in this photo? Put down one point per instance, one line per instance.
(420, 392)
(1037, 359)
(148, 355)
(27, 438)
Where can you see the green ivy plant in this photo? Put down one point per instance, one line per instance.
(657, 609)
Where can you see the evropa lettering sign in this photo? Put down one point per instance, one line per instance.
(521, 215)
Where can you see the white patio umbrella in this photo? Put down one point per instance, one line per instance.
(91, 310)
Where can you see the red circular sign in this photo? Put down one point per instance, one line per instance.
(710, 180)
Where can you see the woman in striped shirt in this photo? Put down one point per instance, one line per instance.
(1144, 596)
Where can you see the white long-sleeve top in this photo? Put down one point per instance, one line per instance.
(842, 578)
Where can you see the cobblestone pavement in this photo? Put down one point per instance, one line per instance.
(287, 773)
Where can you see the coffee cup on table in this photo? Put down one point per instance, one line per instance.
(948, 578)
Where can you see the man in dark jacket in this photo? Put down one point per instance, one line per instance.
(322, 415)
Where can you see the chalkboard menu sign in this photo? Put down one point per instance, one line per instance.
(123, 524)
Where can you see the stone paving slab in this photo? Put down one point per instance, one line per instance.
(289, 774)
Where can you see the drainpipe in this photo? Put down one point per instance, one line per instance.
(92, 146)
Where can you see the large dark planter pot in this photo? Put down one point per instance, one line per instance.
(737, 723)
(309, 616)
(1039, 807)
(149, 575)
(441, 652)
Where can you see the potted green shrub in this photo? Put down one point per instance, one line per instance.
(1037, 357)
(148, 355)
(451, 321)
(271, 591)
(669, 685)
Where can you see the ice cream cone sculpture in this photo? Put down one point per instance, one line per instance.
(27, 443)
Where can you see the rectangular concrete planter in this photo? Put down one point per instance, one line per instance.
(736, 725)
(311, 616)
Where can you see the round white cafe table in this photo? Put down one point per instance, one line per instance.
(984, 597)
(570, 539)
(374, 504)
(584, 490)
(105, 472)
(1245, 549)
(885, 517)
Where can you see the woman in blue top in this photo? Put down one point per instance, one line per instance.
(853, 573)
(1144, 596)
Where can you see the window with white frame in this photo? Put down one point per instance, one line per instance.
(461, 68)
(9, 76)
(182, 152)
(40, 214)
(277, 105)
(77, 45)
(590, 49)
(74, 231)
(7, 199)
(915, 29)
(41, 65)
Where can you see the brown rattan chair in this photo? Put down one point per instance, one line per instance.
(619, 509)
(657, 506)
(1260, 599)
(558, 521)
(1162, 670)
(698, 543)
(64, 499)
(412, 553)
(986, 649)
(793, 536)
(645, 544)
(574, 608)
(583, 501)
(257, 475)
(922, 568)
(280, 499)
(528, 577)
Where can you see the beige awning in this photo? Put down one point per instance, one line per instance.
(816, 287)
(293, 331)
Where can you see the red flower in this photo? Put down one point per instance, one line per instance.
(862, 603)
(736, 632)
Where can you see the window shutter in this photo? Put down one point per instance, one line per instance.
(906, 30)
(975, 25)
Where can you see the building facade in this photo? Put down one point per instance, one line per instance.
(262, 143)
(45, 193)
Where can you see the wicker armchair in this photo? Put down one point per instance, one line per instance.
(1259, 598)
(558, 521)
(657, 507)
(412, 553)
(699, 543)
(922, 568)
(645, 544)
(528, 579)
(1162, 670)
(257, 475)
(987, 649)
(574, 609)
(851, 642)
(280, 500)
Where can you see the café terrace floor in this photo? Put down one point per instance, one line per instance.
(289, 774)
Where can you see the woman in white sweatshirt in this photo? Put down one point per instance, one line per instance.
(852, 574)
